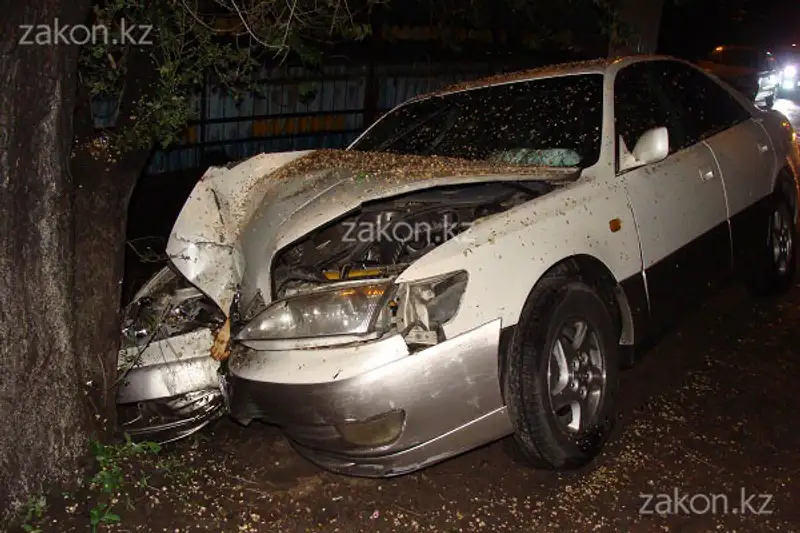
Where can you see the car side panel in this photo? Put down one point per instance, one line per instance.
(681, 216)
(508, 254)
(746, 158)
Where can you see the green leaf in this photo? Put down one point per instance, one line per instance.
(109, 518)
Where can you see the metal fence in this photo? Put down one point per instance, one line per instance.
(295, 108)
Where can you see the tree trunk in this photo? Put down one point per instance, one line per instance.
(63, 211)
(101, 198)
(642, 21)
(103, 182)
(44, 418)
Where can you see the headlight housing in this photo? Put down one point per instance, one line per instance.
(348, 311)
(427, 305)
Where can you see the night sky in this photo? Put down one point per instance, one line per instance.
(692, 27)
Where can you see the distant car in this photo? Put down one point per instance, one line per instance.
(789, 65)
(480, 263)
(751, 70)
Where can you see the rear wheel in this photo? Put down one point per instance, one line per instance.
(776, 260)
(562, 374)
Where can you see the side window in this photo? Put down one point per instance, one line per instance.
(636, 106)
(706, 107)
(640, 105)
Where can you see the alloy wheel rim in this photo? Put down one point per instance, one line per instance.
(576, 377)
(781, 240)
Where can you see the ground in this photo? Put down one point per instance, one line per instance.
(708, 435)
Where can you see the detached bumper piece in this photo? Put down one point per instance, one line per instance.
(171, 419)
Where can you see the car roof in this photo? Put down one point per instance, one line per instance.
(594, 66)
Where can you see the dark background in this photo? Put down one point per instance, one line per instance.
(690, 28)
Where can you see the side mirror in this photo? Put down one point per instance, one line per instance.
(652, 147)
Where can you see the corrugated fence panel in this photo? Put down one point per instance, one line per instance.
(294, 108)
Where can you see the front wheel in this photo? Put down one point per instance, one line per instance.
(561, 376)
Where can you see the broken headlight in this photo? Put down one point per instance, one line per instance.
(167, 306)
(428, 304)
(356, 308)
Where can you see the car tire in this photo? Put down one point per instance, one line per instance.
(773, 270)
(539, 375)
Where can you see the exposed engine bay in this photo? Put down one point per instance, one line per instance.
(383, 237)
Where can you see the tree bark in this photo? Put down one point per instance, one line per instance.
(44, 417)
(104, 183)
(642, 19)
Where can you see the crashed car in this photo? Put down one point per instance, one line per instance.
(480, 263)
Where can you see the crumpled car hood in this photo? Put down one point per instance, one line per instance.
(237, 218)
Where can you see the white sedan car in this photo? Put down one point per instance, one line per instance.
(480, 263)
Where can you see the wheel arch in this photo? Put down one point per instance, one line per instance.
(786, 184)
(596, 274)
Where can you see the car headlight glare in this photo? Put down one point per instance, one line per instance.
(348, 309)
(790, 71)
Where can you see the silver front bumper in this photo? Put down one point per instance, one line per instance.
(449, 393)
(170, 389)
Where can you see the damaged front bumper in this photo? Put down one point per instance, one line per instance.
(391, 413)
(172, 388)
(374, 408)
(169, 386)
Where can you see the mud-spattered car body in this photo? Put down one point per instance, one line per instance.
(480, 263)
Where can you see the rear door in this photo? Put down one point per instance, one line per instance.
(739, 143)
(679, 203)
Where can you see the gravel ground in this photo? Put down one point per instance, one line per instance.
(707, 442)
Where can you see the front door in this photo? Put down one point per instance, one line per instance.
(679, 203)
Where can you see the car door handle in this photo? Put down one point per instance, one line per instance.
(706, 174)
